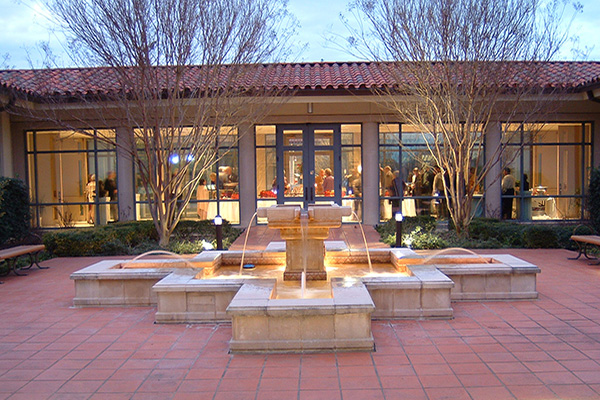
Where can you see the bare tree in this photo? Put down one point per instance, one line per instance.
(461, 68)
(181, 73)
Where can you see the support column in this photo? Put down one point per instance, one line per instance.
(370, 173)
(493, 182)
(6, 154)
(125, 173)
(247, 173)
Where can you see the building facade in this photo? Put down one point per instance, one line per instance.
(333, 140)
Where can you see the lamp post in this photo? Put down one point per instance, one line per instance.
(218, 221)
(398, 217)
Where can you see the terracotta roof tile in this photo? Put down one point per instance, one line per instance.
(570, 76)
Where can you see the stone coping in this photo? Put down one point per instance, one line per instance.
(430, 274)
(256, 298)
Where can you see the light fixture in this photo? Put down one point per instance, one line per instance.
(310, 108)
(218, 221)
(174, 159)
(398, 217)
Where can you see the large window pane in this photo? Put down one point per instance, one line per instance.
(351, 134)
(266, 170)
(67, 175)
(265, 135)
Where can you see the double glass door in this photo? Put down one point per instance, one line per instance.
(308, 164)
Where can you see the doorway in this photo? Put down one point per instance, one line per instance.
(308, 164)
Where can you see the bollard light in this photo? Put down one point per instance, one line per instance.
(398, 217)
(218, 221)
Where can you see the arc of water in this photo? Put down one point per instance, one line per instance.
(449, 249)
(246, 241)
(165, 252)
(365, 241)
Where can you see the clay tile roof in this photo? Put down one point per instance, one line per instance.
(73, 82)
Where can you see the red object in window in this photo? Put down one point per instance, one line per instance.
(266, 194)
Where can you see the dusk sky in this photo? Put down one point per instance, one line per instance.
(25, 24)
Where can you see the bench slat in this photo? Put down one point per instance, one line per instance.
(20, 250)
(592, 239)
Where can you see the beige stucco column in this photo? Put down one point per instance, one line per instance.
(125, 178)
(493, 183)
(6, 155)
(247, 173)
(370, 173)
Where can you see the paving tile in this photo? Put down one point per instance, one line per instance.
(532, 392)
(278, 384)
(413, 394)
(198, 385)
(455, 393)
(238, 385)
(363, 394)
(479, 380)
(325, 394)
(572, 391)
(276, 394)
(490, 393)
(319, 383)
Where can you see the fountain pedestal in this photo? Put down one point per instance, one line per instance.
(304, 233)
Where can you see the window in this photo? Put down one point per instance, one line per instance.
(71, 177)
(218, 191)
(352, 170)
(408, 171)
(550, 165)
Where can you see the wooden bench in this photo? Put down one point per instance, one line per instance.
(10, 256)
(584, 242)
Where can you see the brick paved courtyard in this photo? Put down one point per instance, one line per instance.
(544, 349)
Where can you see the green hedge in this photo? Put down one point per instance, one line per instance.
(593, 199)
(125, 238)
(484, 233)
(14, 210)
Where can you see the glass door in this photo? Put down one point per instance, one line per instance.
(308, 164)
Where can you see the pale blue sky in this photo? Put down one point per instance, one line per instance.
(24, 26)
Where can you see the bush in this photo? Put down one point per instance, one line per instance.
(14, 210)
(504, 234)
(593, 199)
(409, 224)
(135, 237)
(540, 236)
(485, 233)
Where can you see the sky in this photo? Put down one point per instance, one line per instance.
(25, 24)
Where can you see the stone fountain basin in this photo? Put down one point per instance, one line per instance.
(181, 295)
(263, 323)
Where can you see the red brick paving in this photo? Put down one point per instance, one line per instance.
(544, 349)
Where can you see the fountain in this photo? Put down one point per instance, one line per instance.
(306, 247)
(274, 309)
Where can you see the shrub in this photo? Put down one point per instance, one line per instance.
(593, 199)
(409, 224)
(421, 239)
(485, 233)
(14, 210)
(540, 236)
(134, 237)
